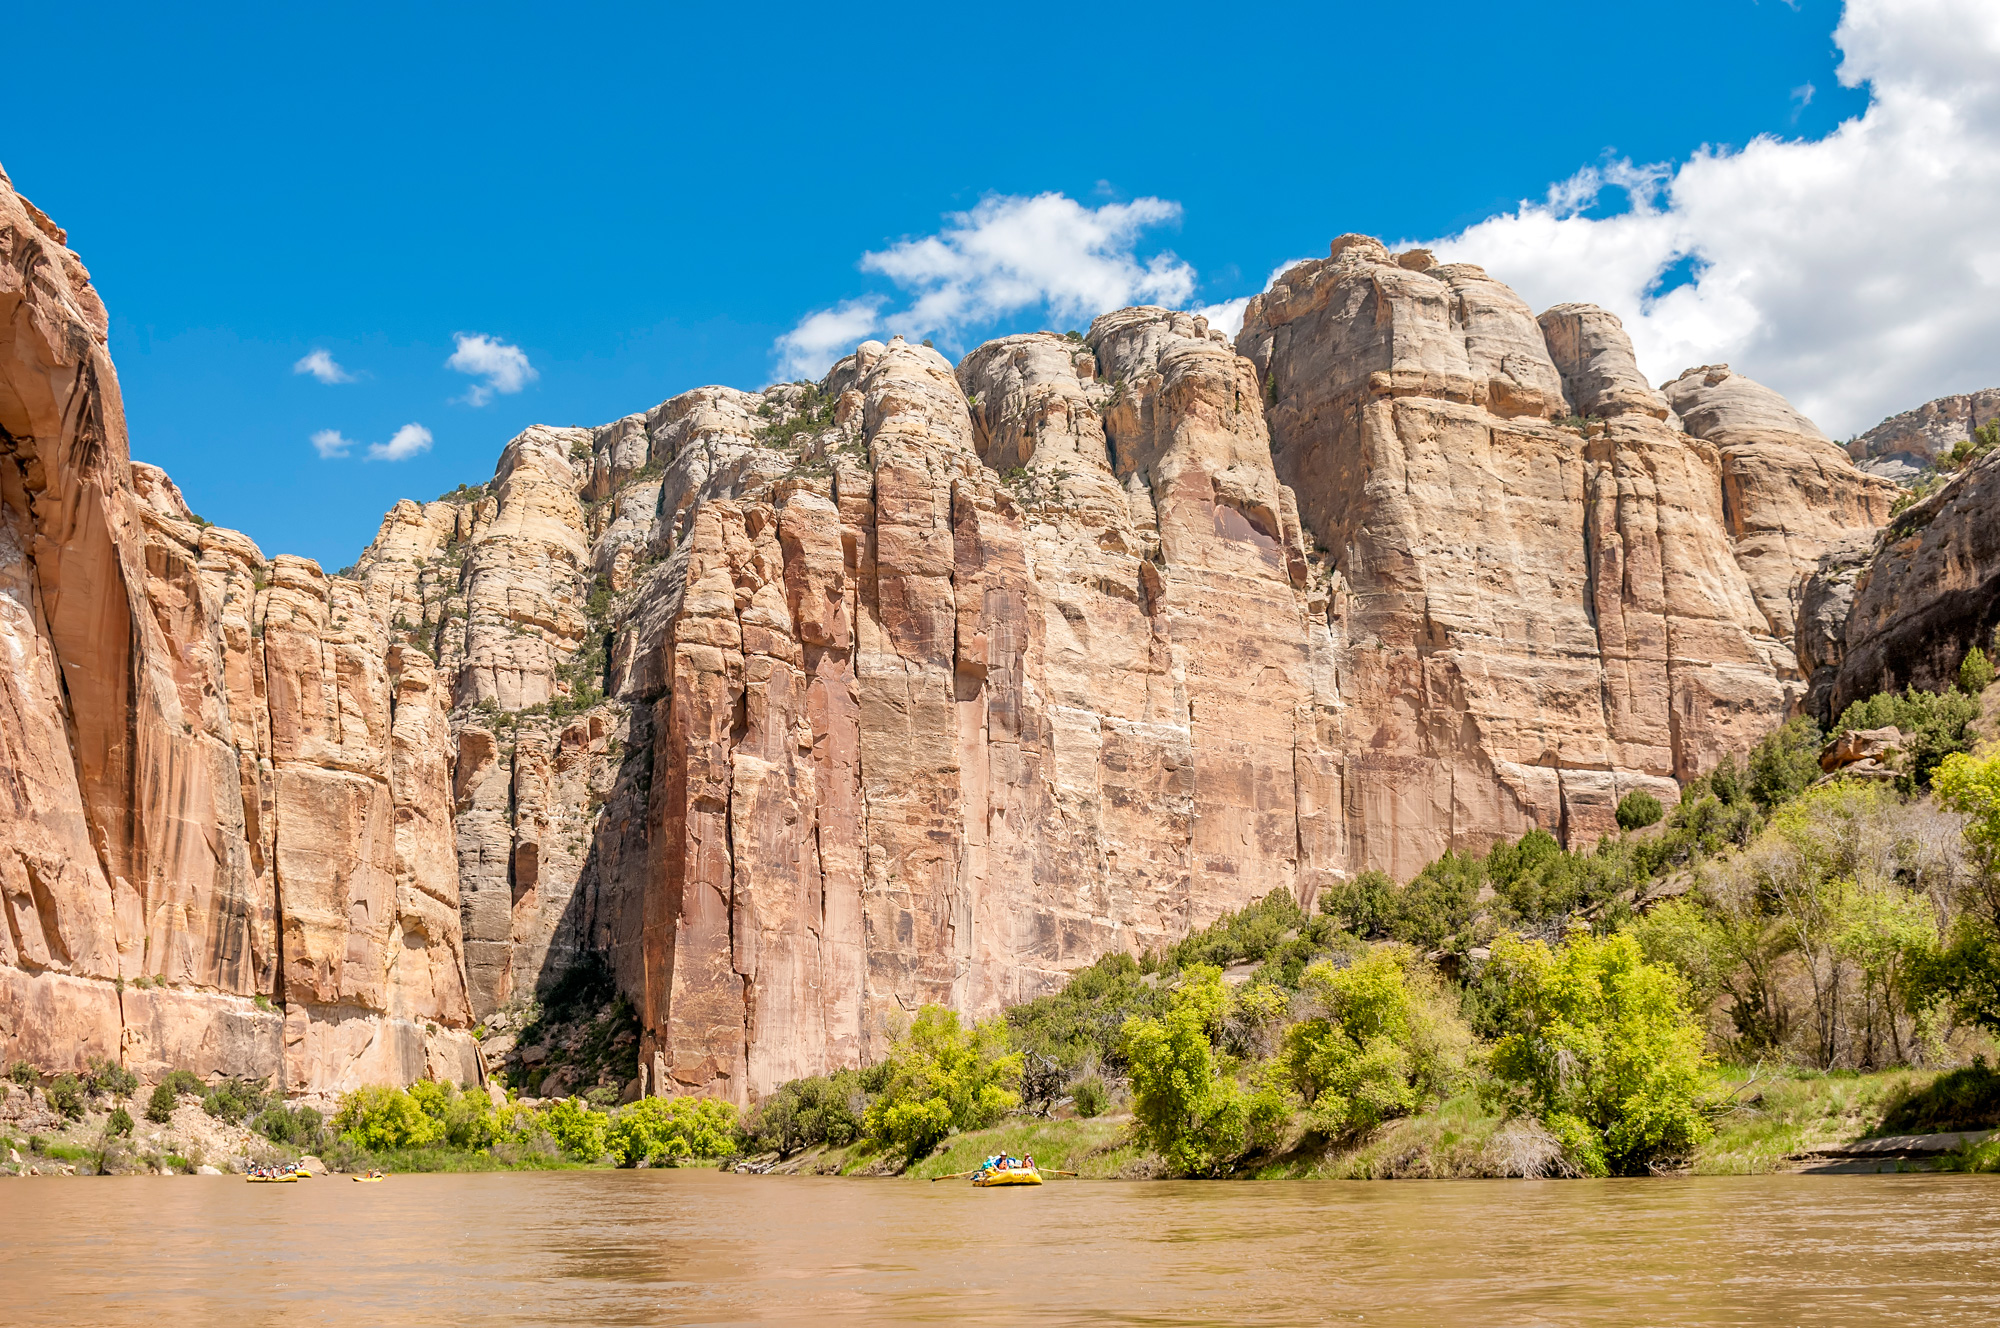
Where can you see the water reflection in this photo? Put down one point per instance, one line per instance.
(700, 1247)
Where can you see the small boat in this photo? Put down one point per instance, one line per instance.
(370, 1178)
(284, 1178)
(988, 1177)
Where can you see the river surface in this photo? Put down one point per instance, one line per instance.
(672, 1247)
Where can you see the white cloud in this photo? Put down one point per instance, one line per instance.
(505, 368)
(1858, 273)
(1228, 315)
(407, 442)
(1008, 254)
(809, 349)
(322, 366)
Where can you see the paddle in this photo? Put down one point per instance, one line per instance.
(1051, 1171)
(956, 1175)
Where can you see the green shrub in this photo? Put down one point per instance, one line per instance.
(66, 1096)
(234, 1099)
(184, 1081)
(110, 1079)
(301, 1127)
(580, 1132)
(1785, 763)
(1090, 1097)
(663, 1129)
(1383, 1043)
(376, 1116)
(120, 1122)
(1248, 935)
(1366, 905)
(1601, 1048)
(1639, 809)
(1975, 672)
(1967, 1098)
(1963, 973)
(822, 1109)
(942, 1078)
(1933, 726)
(1186, 1106)
(24, 1074)
(1540, 881)
(160, 1106)
(467, 1118)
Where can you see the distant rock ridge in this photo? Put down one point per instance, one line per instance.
(926, 682)
(1906, 446)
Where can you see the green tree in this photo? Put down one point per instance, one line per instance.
(1384, 1042)
(664, 1129)
(376, 1116)
(1975, 672)
(1972, 786)
(66, 1095)
(582, 1133)
(1965, 972)
(1602, 1049)
(160, 1106)
(1185, 1106)
(1639, 809)
(1785, 763)
(1435, 908)
(942, 1078)
(1366, 905)
(819, 1109)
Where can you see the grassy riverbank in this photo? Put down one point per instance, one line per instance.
(1772, 1120)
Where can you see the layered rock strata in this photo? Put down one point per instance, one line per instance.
(223, 839)
(1547, 594)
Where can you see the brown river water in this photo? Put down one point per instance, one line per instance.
(673, 1247)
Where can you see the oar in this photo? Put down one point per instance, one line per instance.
(1051, 1171)
(956, 1175)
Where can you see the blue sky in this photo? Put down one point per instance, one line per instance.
(645, 199)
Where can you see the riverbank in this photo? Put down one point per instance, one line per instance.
(1769, 1121)
(1774, 1121)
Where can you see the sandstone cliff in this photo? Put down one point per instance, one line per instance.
(1902, 609)
(1904, 446)
(221, 787)
(926, 682)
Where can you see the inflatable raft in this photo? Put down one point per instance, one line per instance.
(987, 1179)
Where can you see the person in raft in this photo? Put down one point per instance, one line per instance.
(1028, 1162)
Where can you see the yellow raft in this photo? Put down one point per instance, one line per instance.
(1010, 1176)
(367, 1180)
(285, 1179)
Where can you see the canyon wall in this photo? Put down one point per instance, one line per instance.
(224, 843)
(923, 683)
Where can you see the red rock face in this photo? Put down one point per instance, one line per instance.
(923, 684)
(223, 839)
